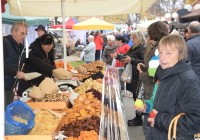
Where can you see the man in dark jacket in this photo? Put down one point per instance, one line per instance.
(40, 31)
(13, 47)
(193, 46)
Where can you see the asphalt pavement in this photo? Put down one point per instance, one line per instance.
(135, 133)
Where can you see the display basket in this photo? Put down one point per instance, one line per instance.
(21, 110)
(51, 105)
(113, 124)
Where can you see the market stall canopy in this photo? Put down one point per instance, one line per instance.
(31, 21)
(144, 25)
(68, 24)
(3, 2)
(93, 24)
(193, 14)
(78, 7)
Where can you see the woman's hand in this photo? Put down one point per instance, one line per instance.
(151, 120)
(20, 75)
(139, 65)
(141, 109)
(127, 59)
(113, 55)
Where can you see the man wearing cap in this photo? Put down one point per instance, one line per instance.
(40, 31)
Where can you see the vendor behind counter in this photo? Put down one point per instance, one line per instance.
(41, 60)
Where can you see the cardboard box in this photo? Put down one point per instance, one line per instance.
(50, 105)
(28, 137)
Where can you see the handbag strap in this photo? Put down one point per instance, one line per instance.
(170, 128)
(173, 124)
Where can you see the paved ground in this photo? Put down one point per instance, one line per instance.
(135, 133)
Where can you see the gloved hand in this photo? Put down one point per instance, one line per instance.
(36, 93)
(62, 74)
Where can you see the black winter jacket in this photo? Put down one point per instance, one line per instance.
(12, 56)
(194, 53)
(178, 91)
(39, 62)
(137, 56)
(35, 43)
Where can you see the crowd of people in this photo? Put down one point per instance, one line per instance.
(172, 88)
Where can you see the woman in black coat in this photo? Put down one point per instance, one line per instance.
(135, 55)
(178, 92)
(41, 60)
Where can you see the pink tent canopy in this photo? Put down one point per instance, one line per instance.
(3, 2)
(68, 24)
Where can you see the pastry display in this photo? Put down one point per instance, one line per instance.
(86, 135)
(55, 97)
(85, 71)
(89, 84)
(45, 123)
(74, 129)
(84, 106)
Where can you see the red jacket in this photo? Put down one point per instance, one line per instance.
(98, 40)
(121, 50)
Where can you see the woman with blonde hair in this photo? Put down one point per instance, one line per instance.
(135, 55)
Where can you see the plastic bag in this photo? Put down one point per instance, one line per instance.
(82, 55)
(113, 62)
(19, 118)
(127, 74)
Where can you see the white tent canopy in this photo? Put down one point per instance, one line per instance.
(144, 25)
(50, 8)
(78, 7)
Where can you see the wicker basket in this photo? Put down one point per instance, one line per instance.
(173, 124)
